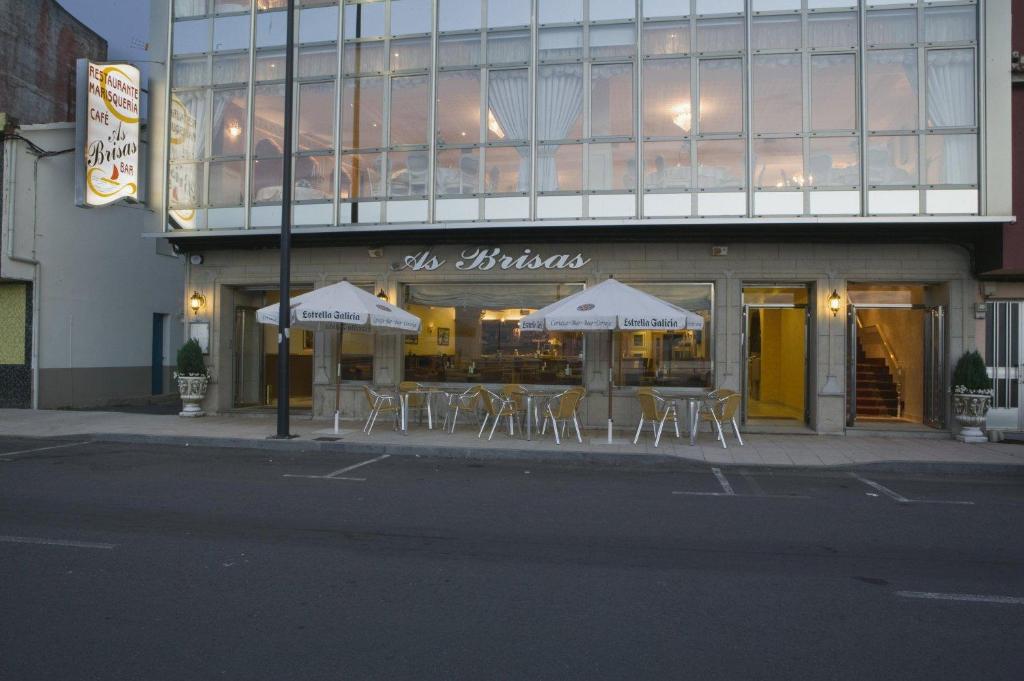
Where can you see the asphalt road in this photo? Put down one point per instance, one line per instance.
(151, 562)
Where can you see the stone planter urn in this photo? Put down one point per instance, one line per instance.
(192, 390)
(970, 410)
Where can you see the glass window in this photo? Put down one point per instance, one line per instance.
(559, 11)
(832, 29)
(270, 65)
(719, 6)
(470, 334)
(458, 15)
(721, 164)
(227, 180)
(891, 27)
(229, 121)
(612, 40)
(560, 43)
(559, 167)
(667, 165)
(774, 5)
(230, 33)
(773, 32)
(226, 6)
(318, 24)
(275, 4)
(508, 106)
(189, 72)
(892, 89)
(190, 8)
(191, 36)
(778, 163)
(501, 13)
(834, 162)
(667, 37)
(459, 49)
(508, 47)
(506, 170)
(362, 176)
(184, 183)
(612, 167)
(892, 160)
(410, 54)
(362, 113)
(669, 358)
(188, 125)
(666, 8)
(559, 102)
(411, 16)
(316, 116)
(410, 110)
(457, 172)
(778, 98)
(950, 24)
(950, 90)
(833, 92)
(267, 119)
(317, 61)
(608, 10)
(271, 29)
(407, 173)
(611, 100)
(313, 178)
(951, 159)
(365, 20)
(267, 180)
(720, 35)
(230, 68)
(365, 57)
(721, 95)
(667, 105)
(457, 117)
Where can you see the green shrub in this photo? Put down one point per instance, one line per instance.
(190, 359)
(970, 373)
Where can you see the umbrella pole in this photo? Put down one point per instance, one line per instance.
(611, 368)
(337, 380)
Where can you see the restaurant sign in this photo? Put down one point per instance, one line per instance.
(107, 133)
(487, 259)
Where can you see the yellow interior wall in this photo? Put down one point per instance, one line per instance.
(12, 323)
(782, 356)
(433, 318)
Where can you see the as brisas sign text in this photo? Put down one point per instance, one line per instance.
(486, 259)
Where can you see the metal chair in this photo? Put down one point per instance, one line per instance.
(654, 408)
(562, 408)
(721, 410)
(468, 400)
(497, 407)
(380, 403)
(416, 401)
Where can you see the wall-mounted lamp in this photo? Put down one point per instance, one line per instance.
(382, 294)
(196, 301)
(833, 302)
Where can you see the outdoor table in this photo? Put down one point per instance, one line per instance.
(531, 395)
(693, 403)
(429, 392)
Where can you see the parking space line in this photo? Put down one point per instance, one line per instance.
(726, 487)
(899, 498)
(56, 542)
(970, 598)
(336, 475)
(43, 449)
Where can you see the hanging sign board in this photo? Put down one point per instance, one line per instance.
(107, 133)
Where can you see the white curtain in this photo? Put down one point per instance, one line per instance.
(559, 102)
(508, 99)
(950, 100)
(189, 8)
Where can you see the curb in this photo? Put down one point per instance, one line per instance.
(553, 456)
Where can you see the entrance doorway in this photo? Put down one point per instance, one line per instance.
(255, 353)
(775, 351)
(896, 355)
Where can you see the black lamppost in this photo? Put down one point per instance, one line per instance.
(284, 306)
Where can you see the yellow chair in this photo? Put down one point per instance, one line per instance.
(656, 410)
(562, 408)
(497, 407)
(416, 401)
(380, 403)
(468, 400)
(722, 409)
(517, 393)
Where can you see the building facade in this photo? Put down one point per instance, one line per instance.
(814, 177)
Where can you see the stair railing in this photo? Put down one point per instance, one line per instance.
(891, 361)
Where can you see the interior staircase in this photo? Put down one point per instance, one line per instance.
(876, 390)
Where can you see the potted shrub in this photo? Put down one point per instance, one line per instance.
(192, 378)
(972, 396)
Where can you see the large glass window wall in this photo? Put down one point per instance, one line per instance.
(462, 110)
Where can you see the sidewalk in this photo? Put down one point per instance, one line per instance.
(897, 454)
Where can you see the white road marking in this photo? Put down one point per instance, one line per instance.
(336, 475)
(742, 496)
(896, 496)
(43, 449)
(723, 482)
(970, 598)
(56, 542)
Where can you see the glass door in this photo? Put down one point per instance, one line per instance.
(935, 367)
(775, 340)
(248, 358)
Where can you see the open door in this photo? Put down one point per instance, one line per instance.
(851, 366)
(935, 367)
(775, 350)
(248, 358)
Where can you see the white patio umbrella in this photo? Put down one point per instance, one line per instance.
(610, 306)
(343, 304)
